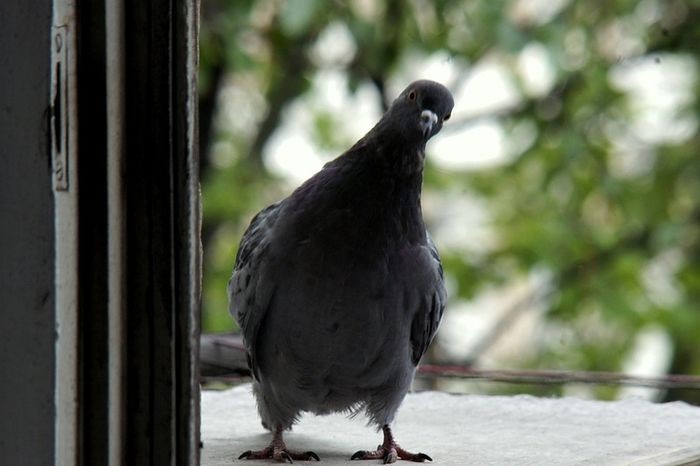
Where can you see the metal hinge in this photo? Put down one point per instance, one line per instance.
(60, 107)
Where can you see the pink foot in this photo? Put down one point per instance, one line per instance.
(389, 451)
(277, 450)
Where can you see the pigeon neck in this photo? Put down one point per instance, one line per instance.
(397, 156)
(397, 189)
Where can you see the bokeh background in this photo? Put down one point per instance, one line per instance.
(564, 193)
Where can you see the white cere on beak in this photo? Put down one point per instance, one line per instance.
(427, 119)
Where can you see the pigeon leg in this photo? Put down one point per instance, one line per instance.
(277, 450)
(390, 451)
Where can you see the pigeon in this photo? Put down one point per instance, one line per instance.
(338, 289)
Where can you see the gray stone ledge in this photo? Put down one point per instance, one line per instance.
(473, 430)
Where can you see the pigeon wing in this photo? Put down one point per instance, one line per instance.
(432, 304)
(250, 295)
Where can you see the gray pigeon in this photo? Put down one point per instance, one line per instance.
(338, 289)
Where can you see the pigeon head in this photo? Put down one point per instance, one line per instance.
(421, 109)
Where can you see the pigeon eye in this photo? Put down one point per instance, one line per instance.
(446, 117)
(412, 96)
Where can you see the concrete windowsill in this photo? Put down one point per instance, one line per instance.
(470, 429)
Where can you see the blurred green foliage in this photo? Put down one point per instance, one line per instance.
(561, 205)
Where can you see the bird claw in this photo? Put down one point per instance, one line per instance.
(390, 455)
(277, 450)
(280, 455)
(265, 453)
(415, 457)
(380, 453)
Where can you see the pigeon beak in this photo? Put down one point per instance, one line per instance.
(427, 119)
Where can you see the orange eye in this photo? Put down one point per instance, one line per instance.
(446, 117)
(412, 96)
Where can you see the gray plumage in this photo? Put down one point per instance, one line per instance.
(338, 289)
